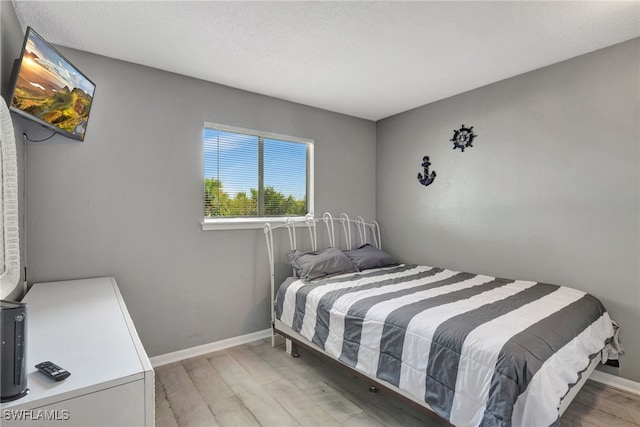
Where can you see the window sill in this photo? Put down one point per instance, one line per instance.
(239, 223)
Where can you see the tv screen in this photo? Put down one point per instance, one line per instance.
(49, 90)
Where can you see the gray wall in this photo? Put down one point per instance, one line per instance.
(10, 42)
(128, 201)
(10, 45)
(549, 192)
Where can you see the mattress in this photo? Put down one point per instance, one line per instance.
(478, 350)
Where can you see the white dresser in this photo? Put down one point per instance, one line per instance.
(83, 326)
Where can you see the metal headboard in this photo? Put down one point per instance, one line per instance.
(365, 231)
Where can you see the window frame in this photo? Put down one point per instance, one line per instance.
(258, 222)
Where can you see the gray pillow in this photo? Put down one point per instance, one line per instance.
(367, 256)
(312, 265)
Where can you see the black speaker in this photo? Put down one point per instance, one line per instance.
(13, 330)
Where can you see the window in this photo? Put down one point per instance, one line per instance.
(250, 176)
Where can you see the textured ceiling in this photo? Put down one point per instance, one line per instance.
(365, 59)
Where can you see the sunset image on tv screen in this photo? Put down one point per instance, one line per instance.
(51, 89)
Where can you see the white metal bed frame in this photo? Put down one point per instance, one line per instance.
(365, 230)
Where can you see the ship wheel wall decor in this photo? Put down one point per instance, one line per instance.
(463, 138)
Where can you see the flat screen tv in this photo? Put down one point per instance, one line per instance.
(49, 90)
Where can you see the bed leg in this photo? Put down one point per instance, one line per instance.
(291, 348)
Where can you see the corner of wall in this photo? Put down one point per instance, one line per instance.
(10, 42)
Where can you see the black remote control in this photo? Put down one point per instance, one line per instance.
(52, 370)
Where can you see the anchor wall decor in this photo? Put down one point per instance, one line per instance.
(463, 138)
(427, 179)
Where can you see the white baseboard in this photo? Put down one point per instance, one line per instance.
(616, 382)
(187, 353)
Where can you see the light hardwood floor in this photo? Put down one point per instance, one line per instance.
(255, 384)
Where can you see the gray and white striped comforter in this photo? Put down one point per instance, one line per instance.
(477, 349)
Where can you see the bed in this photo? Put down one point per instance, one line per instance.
(475, 350)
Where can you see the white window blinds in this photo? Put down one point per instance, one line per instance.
(251, 174)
